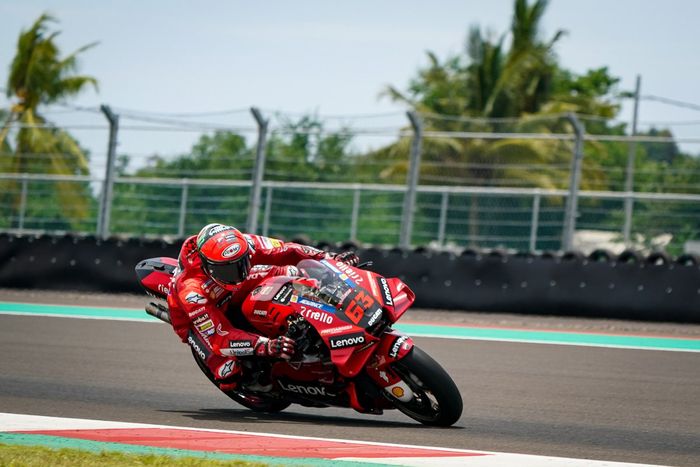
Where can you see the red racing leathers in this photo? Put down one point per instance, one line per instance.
(198, 306)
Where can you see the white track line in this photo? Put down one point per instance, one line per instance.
(25, 423)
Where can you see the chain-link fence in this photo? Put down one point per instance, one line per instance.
(538, 183)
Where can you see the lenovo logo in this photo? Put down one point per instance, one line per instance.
(197, 348)
(306, 390)
(386, 292)
(394, 352)
(347, 340)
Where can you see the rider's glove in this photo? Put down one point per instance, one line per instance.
(347, 257)
(281, 347)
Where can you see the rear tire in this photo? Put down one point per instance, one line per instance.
(254, 402)
(437, 400)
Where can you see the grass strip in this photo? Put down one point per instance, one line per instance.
(33, 450)
(39, 456)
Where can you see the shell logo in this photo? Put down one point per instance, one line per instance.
(397, 391)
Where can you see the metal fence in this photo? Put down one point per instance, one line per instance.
(526, 219)
(434, 180)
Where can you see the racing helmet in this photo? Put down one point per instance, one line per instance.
(225, 254)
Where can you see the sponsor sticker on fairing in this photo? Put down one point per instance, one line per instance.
(328, 264)
(304, 389)
(373, 319)
(347, 340)
(350, 272)
(283, 295)
(396, 346)
(386, 291)
(320, 306)
(316, 315)
(336, 330)
(260, 312)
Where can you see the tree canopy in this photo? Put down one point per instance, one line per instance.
(39, 75)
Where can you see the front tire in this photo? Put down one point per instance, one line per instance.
(436, 400)
(253, 402)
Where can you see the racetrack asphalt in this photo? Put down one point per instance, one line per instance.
(583, 402)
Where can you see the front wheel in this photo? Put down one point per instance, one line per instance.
(436, 400)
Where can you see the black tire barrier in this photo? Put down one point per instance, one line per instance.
(630, 256)
(658, 258)
(688, 259)
(601, 255)
(469, 280)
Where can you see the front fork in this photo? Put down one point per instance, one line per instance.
(392, 348)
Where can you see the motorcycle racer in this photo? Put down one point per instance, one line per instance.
(218, 268)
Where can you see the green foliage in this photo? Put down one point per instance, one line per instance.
(39, 75)
(38, 456)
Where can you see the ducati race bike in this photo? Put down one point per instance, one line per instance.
(347, 354)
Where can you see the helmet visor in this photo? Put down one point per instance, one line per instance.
(229, 273)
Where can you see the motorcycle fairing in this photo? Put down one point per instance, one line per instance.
(154, 275)
(402, 296)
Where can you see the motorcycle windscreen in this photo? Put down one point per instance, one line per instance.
(354, 304)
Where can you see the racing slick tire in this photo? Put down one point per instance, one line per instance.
(436, 400)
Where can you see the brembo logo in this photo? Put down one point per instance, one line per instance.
(307, 390)
(195, 345)
(347, 340)
(386, 292)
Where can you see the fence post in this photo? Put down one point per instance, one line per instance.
(443, 217)
(575, 181)
(266, 215)
(258, 170)
(23, 202)
(355, 213)
(535, 220)
(411, 181)
(183, 208)
(629, 176)
(107, 189)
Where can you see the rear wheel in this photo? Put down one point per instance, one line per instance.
(436, 400)
(256, 403)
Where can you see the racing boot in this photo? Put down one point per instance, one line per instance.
(256, 378)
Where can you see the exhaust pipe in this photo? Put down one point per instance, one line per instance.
(159, 311)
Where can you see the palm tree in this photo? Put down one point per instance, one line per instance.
(489, 81)
(40, 76)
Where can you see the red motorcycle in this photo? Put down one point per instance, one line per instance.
(347, 354)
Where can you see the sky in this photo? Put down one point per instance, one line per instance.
(334, 58)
